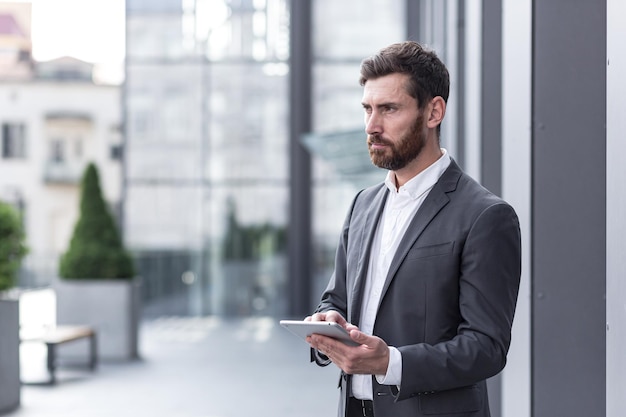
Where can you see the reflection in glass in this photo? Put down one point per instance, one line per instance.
(206, 154)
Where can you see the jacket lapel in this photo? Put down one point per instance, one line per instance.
(369, 230)
(432, 205)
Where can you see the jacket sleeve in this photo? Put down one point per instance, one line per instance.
(335, 294)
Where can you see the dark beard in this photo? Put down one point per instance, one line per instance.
(402, 153)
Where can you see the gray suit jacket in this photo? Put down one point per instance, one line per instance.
(448, 300)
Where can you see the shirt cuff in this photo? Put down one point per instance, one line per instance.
(394, 369)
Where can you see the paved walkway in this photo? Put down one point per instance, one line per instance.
(192, 367)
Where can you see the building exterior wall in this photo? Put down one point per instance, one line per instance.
(47, 192)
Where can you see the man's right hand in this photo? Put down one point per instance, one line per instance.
(332, 316)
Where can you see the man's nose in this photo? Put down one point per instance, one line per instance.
(373, 125)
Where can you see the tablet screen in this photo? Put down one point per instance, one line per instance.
(326, 328)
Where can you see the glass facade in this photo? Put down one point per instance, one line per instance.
(206, 160)
(207, 174)
(344, 32)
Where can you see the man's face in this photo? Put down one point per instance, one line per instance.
(393, 122)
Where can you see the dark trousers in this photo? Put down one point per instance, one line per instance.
(360, 408)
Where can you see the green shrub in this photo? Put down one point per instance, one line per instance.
(96, 250)
(12, 247)
(250, 242)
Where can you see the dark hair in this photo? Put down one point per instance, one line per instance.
(429, 77)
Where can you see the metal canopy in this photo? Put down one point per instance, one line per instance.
(346, 152)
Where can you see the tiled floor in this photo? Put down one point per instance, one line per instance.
(191, 367)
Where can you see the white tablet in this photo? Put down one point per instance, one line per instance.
(327, 328)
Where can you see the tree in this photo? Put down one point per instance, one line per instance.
(96, 250)
(12, 246)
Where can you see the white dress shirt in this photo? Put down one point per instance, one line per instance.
(400, 208)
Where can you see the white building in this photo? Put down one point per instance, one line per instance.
(53, 122)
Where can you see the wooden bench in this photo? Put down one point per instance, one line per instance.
(56, 336)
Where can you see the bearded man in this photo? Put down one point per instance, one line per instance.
(428, 263)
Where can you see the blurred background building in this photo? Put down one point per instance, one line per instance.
(54, 120)
(206, 167)
(243, 132)
(232, 149)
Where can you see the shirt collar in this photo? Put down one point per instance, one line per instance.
(423, 181)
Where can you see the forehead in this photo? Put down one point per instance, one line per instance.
(388, 88)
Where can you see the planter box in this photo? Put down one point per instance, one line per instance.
(111, 307)
(9, 355)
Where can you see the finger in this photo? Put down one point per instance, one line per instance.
(337, 318)
(323, 343)
(360, 337)
(317, 317)
(349, 327)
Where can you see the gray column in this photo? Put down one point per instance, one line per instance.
(616, 209)
(413, 19)
(459, 78)
(568, 208)
(299, 233)
(491, 130)
(491, 84)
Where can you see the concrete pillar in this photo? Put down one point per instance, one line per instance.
(615, 209)
(568, 208)
(9, 355)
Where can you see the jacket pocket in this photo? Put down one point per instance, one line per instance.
(460, 400)
(430, 250)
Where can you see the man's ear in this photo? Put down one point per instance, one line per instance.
(437, 110)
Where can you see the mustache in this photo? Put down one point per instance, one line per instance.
(377, 139)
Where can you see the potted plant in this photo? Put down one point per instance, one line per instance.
(97, 285)
(12, 250)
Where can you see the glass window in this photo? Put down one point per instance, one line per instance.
(247, 225)
(57, 150)
(344, 32)
(355, 29)
(158, 36)
(115, 152)
(165, 129)
(13, 140)
(78, 147)
(257, 30)
(206, 154)
(247, 115)
(337, 97)
(154, 6)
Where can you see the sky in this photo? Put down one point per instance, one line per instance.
(90, 30)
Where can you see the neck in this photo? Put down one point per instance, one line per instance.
(428, 156)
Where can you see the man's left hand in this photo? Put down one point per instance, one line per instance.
(371, 357)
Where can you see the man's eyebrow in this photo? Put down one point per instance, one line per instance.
(379, 105)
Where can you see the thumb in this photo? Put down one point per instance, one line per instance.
(359, 337)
